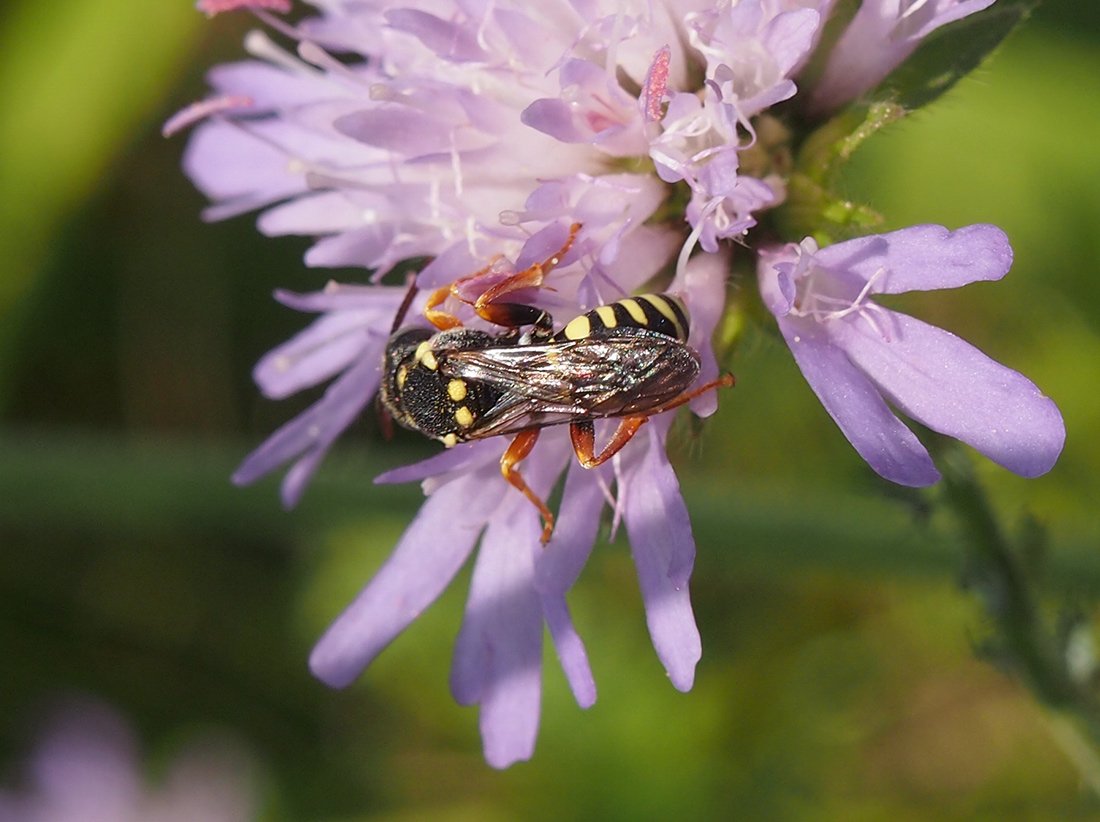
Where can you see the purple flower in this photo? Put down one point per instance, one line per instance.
(518, 585)
(476, 134)
(473, 136)
(444, 118)
(85, 768)
(861, 359)
(879, 38)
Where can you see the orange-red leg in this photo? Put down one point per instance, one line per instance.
(505, 314)
(443, 320)
(583, 435)
(725, 381)
(531, 277)
(521, 446)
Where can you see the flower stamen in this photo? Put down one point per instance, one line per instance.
(824, 307)
(202, 109)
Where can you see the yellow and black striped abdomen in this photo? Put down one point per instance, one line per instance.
(660, 313)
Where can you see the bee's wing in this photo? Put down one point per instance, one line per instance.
(589, 378)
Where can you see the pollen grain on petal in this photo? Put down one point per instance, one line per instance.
(656, 84)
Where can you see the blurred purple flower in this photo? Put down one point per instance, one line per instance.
(86, 769)
(881, 35)
(861, 358)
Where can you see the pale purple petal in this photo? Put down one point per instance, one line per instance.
(498, 653)
(314, 430)
(319, 213)
(704, 288)
(446, 39)
(558, 567)
(452, 264)
(879, 38)
(88, 757)
(952, 387)
(856, 405)
(430, 552)
(409, 132)
(362, 247)
(591, 108)
(383, 300)
(777, 270)
(269, 87)
(663, 549)
(227, 163)
(323, 349)
(467, 456)
(922, 257)
(554, 117)
(789, 37)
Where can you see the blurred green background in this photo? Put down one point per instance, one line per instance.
(839, 677)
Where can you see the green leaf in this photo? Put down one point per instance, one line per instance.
(949, 54)
(812, 207)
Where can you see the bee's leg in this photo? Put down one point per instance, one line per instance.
(513, 315)
(725, 381)
(521, 446)
(443, 320)
(583, 435)
(528, 278)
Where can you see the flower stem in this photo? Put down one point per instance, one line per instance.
(1023, 641)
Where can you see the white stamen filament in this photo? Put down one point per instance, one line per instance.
(258, 44)
(456, 167)
(820, 307)
(693, 237)
(317, 56)
(912, 8)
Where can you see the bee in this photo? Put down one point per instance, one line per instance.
(628, 360)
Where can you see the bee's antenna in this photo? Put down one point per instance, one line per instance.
(410, 295)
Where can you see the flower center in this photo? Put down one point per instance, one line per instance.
(818, 299)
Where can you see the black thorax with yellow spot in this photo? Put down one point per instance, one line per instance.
(420, 395)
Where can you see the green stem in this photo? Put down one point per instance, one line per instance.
(1025, 641)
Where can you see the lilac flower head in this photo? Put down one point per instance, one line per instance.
(85, 768)
(443, 117)
(518, 585)
(861, 358)
(476, 135)
(879, 38)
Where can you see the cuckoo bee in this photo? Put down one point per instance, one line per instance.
(627, 360)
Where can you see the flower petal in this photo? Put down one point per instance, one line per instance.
(430, 552)
(498, 653)
(952, 387)
(557, 569)
(663, 549)
(315, 428)
(855, 404)
(704, 287)
(318, 352)
(922, 257)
